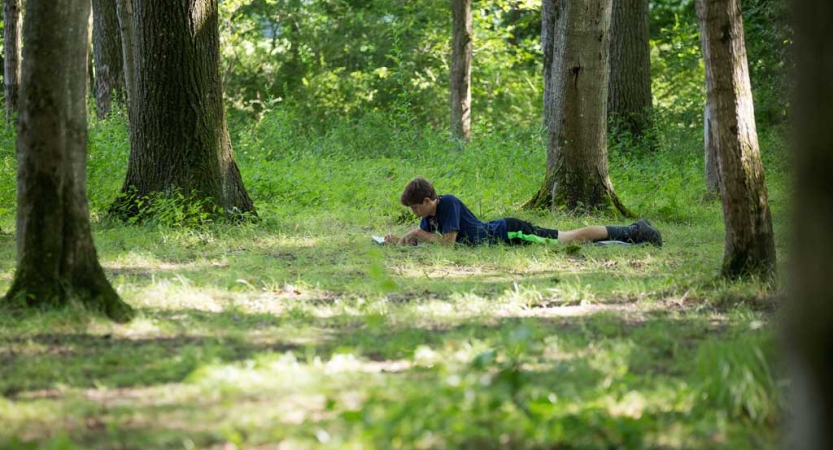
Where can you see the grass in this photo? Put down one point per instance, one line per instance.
(296, 332)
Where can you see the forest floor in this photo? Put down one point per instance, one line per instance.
(250, 337)
(297, 332)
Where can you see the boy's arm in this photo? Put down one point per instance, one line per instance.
(419, 235)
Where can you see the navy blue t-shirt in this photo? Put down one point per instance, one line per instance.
(453, 215)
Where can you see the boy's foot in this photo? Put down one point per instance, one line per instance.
(644, 232)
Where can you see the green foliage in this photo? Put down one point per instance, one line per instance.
(8, 177)
(343, 59)
(678, 74)
(768, 45)
(172, 209)
(677, 71)
(107, 154)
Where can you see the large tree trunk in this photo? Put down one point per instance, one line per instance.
(56, 258)
(575, 40)
(107, 50)
(461, 46)
(629, 101)
(12, 22)
(183, 146)
(809, 332)
(749, 247)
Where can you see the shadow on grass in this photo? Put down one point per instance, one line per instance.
(189, 339)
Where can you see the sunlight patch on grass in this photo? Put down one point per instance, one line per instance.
(29, 419)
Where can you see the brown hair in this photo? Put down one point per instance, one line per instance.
(416, 190)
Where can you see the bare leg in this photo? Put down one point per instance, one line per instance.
(582, 235)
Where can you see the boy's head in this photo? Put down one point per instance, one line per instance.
(416, 191)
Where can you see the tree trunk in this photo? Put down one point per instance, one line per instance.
(548, 51)
(107, 50)
(629, 101)
(809, 332)
(183, 146)
(749, 247)
(90, 72)
(461, 69)
(127, 31)
(56, 258)
(11, 46)
(575, 39)
(710, 139)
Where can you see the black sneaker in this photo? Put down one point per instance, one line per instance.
(644, 232)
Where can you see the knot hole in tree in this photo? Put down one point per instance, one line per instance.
(575, 72)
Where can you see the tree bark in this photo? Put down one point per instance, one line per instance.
(575, 39)
(461, 56)
(183, 146)
(108, 59)
(56, 258)
(127, 31)
(12, 20)
(630, 101)
(809, 335)
(548, 32)
(749, 248)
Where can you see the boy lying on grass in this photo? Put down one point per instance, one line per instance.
(446, 220)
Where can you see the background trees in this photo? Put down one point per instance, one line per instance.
(107, 56)
(750, 248)
(326, 60)
(630, 100)
(11, 48)
(56, 259)
(460, 75)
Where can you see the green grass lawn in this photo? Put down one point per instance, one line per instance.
(296, 332)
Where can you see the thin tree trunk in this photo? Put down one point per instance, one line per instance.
(809, 334)
(749, 247)
(184, 145)
(575, 93)
(630, 101)
(109, 62)
(461, 57)
(548, 32)
(710, 140)
(12, 20)
(89, 53)
(127, 31)
(56, 258)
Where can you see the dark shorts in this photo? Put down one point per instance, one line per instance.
(525, 227)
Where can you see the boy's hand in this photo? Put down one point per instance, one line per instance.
(408, 239)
